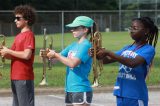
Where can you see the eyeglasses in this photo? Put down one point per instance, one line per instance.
(132, 29)
(18, 18)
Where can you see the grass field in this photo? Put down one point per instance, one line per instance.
(55, 77)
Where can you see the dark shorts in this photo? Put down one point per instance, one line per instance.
(121, 101)
(78, 97)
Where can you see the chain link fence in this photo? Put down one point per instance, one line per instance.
(55, 21)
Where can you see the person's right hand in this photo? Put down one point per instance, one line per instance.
(101, 53)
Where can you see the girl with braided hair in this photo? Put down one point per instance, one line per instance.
(130, 88)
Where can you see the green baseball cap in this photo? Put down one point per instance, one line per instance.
(81, 21)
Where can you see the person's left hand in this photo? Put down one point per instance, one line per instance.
(4, 51)
(43, 52)
(51, 54)
(91, 52)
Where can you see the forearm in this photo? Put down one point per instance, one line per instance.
(67, 61)
(107, 60)
(19, 54)
(130, 62)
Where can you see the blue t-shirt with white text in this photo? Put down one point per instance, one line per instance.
(130, 82)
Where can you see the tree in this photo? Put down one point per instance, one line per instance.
(62, 4)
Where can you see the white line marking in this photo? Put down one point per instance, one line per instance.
(60, 97)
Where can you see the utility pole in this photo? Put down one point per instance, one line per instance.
(120, 13)
(156, 12)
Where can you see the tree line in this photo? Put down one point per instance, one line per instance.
(62, 4)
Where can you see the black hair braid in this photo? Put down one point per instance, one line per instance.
(152, 36)
(155, 29)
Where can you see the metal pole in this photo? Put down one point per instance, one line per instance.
(11, 30)
(110, 22)
(139, 13)
(62, 30)
(156, 12)
(120, 15)
(0, 28)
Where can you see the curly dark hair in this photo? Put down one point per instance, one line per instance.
(27, 12)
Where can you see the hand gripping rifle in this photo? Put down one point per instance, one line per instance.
(97, 65)
(2, 43)
(44, 81)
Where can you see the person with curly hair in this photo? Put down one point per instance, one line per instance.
(21, 54)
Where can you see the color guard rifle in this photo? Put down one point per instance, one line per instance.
(2, 43)
(44, 81)
(44, 52)
(97, 65)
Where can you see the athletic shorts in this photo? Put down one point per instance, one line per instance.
(78, 97)
(121, 101)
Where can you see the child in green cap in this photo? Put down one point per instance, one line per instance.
(76, 58)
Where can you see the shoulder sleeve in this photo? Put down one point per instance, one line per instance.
(65, 51)
(13, 46)
(119, 52)
(147, 53)
(29, 41)
(82, 53)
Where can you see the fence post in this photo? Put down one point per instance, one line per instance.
(62, 30)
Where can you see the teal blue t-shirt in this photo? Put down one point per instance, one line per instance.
(77, 77)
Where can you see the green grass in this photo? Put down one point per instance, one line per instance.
(55, 77)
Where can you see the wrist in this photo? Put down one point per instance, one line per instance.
(53, 54)
(9, 51)
(108, 53)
